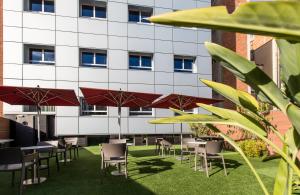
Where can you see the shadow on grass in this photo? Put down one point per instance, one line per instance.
(230, 164)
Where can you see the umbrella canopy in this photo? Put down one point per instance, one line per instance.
(181, 102)
(38, 97)
(117, 98)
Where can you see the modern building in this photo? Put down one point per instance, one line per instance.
(102, 44)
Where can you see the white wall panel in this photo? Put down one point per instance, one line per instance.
(93, 74)
(66, 8)
(12, 82)
(163, 62)
(163, 46)
(116, 42)
(205, 92)
(93, 41)
(186, 90)
(164, 129)
(67, 56)
(203, 4)
(141, 88)
(12, 34)
(117, 29)
(67, 111)
(93, 125)
(16, 5)
(188, 4)
(66, 125)
(181, 48)
(140, 126)
(12, 71)
(149, 3)
(68, 85)
(117, 11)
(202, 51)
(41, 83)
(114, 127)
(163, 33)
(66, 24)
(189, 79)
(164, 78)
(12, 18)
(39, 21)
(140, 76)
(93, 26)
(66, 38)
(164, 3)
(16, 49)
(67, 73)
(142, 45)
(204, 65)
(118, 76)
(164, 89)
(185, 35)
(118, 59)
(204, 36)
(36, 36)
(141, 30)
(35, 72)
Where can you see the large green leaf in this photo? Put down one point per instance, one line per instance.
(277, 19)
(293, 112)
(290, 67)
(236, 146)
(254, 76)
(238, 97)
(282, 176)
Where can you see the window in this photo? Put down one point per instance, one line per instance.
(94, 58)
(183, 64)
(140, 111)
(140, 61)
(93, 10)
(138, 14)
(43, 108)
(86, 109)
(41, 6)
(36, 54)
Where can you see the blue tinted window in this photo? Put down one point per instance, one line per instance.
(100, 58)
(188, 64)
(49, 55)
(146, 61)
(145, 15)
(134, 61)
(177, 63)
(87, 10)
(35, 55)
(49, 6)
(100, 12)
(134, 16)
(35, 5)
(87, 58)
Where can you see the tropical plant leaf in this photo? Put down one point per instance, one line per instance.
(282, 176)
(293, 112)
(237, 148)
(263, 18)
(178, 111)
(254, 76)
(238, 97)
(290, 68)
(244, 121)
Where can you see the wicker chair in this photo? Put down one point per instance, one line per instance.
(13, 159)
(114, 154)
(211, 150)
(74, 142)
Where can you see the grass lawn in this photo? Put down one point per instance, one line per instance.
(148, 174)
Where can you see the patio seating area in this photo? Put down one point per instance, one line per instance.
(148, 173)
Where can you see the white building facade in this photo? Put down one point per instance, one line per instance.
(103, 44)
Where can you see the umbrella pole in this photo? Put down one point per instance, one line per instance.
(119, 121)
(38, 122)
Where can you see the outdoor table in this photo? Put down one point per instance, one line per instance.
(197, 144)
(35, 179)
(4, 141)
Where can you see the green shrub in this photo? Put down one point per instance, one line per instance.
(253, 147)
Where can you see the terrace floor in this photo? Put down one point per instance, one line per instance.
(148, 174)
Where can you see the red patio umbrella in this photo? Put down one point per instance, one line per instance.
(181, 102)
(38, 97)
(117, 98)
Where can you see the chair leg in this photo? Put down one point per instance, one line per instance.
(13, 179)
(65, 157)
(77, 148)
(22, 180)
(126, 170)
(195, 161)
(70, 151)
(206, 166)
(48, 167)
(223, 161)
(57, 162)
(74, 152)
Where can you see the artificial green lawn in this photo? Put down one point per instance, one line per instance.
(148, 174)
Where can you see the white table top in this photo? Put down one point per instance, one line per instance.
(35, 147)
(3, 141)
(197, 142)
